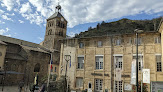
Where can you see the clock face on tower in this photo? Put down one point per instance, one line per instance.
(62, 19)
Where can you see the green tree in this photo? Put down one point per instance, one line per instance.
(139, 87)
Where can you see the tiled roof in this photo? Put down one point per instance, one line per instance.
(56, 14)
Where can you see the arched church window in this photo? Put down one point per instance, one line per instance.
(50, 32)
(37, 67)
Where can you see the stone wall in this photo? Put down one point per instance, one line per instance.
(2, 56)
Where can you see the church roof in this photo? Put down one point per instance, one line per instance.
(56, 14)
(34, 49)
(25, 44)
(17, 41)
(1, 42)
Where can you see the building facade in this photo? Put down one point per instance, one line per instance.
(95, 59)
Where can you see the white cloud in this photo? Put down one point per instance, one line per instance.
(83, 11)
(2, 31)
(7, 29)
(40, 38)
(5, 32)
(9, 35)
(1, 22)
(34, 18)
(8, 3)
(16, 10)
(86, 11)
(21, 21)
(10, 14)
(1, 11)
(25, 8)
(6, 18)
(42, 7)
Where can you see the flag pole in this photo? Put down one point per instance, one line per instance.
(142, 75)
(49, 71)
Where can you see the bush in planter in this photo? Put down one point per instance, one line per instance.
(139, 87)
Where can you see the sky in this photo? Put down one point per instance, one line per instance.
(26, 19)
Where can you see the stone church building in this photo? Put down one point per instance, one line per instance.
(20, 60)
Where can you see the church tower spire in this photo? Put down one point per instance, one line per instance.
(58, 8)
(56, 28)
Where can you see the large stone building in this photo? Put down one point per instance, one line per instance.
(95, 59)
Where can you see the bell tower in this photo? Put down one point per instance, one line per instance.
(55, 30)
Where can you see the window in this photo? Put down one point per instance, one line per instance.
(118, 42)
(158, 62)
(99, 44)
(98, 84)
(79, 82)
(60, 33)
(157, 40)
(55, 70)
(81, 45)
(118, 62)
(118, 86)
(99, 62)
(80, 62)
(140, 62)
(139, 41)
(50, 32)
(130, 40)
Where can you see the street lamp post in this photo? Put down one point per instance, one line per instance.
(137, 32)
(67, 58)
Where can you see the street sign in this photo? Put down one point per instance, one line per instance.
(127, 87)
(118, 74)
(133, 72)
(146, 76)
